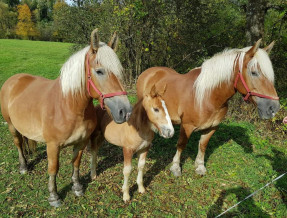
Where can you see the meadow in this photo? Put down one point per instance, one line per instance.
(241, 157)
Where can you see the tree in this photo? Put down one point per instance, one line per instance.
(255, 14)
(25, 27)
(7, 21)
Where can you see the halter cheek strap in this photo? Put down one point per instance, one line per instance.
(249, 93)
(90, 83)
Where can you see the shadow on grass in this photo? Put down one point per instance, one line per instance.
(163, 150)
(279, 164)
(246, 207)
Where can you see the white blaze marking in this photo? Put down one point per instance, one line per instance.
(170, 126)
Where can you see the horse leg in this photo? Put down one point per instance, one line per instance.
(141, 164)
(128, 154)
(18, 141)
(53, 152)
(96, 142)
(76, 161)
(199, 161)
(185, 131)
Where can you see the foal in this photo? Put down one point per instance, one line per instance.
(149, 115)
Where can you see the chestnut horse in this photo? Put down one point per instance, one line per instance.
(198, 99)
(60, 112)
(135, 136)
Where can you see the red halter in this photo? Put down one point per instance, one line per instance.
(90, 83)
(249, 93)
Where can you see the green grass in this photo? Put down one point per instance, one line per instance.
(240, 158)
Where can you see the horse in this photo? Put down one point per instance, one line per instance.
(149, 115)
(198, 100)
(60, 112)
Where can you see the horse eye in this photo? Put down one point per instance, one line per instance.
(254, 73)
(156, 109)
(99, 72)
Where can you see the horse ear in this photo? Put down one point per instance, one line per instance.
(251, 52)
(153, 92)
(161, 92)
(269, 47)
(95, 40)
(114, 41)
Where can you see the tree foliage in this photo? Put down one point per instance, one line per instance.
(8, 20)
(25, 27)
(174, 33)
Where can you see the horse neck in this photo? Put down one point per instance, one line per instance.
(139, 118)
(220, 95)
(77, 102)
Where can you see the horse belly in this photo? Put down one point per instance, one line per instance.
(25, 121)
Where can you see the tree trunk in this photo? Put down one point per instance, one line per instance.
(255, 13)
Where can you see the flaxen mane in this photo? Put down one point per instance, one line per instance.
(220, 68)
(73, 71)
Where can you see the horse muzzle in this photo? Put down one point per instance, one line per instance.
(267, 108)
(119, 108)
(166, 132)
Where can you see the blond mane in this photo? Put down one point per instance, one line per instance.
(220, 69)
(72, 75)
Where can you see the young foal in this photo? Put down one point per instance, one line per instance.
(135, 136)
(198, 100)
(60, 112)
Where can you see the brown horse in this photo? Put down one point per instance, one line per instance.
(60, 112)
(198, 100)
(135, 136)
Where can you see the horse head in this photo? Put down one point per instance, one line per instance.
(157, 112)
(255, 80)
(103, 74)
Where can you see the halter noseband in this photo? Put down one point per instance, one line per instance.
(249, 93)
(91, 83)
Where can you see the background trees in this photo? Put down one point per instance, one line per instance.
(174, 33)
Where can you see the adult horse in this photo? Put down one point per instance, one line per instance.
(198, 100)
(60, 112)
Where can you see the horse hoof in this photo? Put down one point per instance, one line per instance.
(93, 177)
(56, 203)
(79, 193)
(126, 198)
(141, 190)
(200, 170)
(23, 171)
(175, 170)
(78, 190)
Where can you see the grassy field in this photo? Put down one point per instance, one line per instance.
(241, 158)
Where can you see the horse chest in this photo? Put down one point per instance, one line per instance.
(144, 144)
(80, 133)
(214, 119)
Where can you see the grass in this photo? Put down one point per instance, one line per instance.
(241, 158)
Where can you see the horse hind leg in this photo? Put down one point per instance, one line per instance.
(199, 161)
(18, 141)
(97, 140)
(185, 132)
(76, 161)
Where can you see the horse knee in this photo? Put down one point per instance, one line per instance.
(127, 170)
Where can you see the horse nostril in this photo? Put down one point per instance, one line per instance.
(271, 109)
(121, 112)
